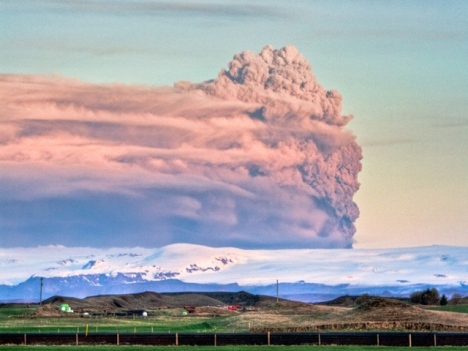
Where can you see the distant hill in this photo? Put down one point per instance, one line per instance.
(152, 301)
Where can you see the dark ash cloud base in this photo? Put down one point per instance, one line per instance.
(256, 158)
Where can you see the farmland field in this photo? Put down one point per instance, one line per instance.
(21, 319)
(168, 314)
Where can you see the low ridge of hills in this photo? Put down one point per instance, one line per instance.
(154, 301)
(267, 313)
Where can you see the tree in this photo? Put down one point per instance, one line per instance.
(456, 299)
(443, 300)
(430, 297)
(415, 297)
(426, 297)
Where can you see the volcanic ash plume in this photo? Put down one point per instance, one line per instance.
(304, 118)
(258, 157)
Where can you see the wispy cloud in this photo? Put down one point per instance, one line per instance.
(153, 8)
(453, 123)
(386, 142)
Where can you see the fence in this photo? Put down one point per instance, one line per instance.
(222, 339)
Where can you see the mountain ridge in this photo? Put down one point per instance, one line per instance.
(304, 274)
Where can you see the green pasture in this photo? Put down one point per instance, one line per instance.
(112, 325)
(451, 308)
(9, 311)
(20, 319)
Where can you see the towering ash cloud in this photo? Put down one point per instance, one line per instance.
(257, 157)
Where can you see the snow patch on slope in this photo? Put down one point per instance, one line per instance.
(200, 264)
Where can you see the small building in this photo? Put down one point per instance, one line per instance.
(64, 307)
(190, 309)
(234, 307)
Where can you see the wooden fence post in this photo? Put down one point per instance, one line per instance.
(378, 340)
(409, 340)
(118, 339)
(76, 338)
(320, 341)
(268, 338)
(177, 339)
(25, 339)
(435, 339)
(215, 340)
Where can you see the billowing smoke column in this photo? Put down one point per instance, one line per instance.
(258, 157)
(290, 99)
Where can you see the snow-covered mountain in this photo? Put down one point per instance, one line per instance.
(305, 274)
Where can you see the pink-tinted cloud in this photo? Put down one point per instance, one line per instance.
(257, 157)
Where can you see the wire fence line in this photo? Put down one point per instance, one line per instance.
(224, 339)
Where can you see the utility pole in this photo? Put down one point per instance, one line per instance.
(277, 292)
(40, 296)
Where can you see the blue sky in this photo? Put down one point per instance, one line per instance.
(400, 65)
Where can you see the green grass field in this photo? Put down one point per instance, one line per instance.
(16, 319)
(112, 325)
(452, 308)
(9, 311)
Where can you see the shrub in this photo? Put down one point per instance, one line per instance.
(456, 299)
